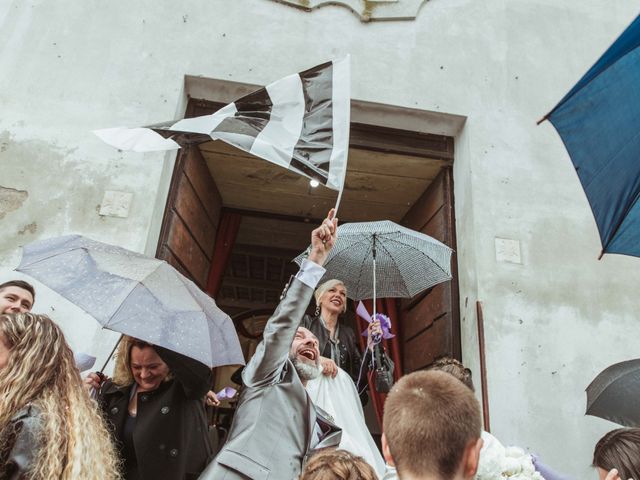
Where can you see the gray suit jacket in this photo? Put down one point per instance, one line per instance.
(273, 426)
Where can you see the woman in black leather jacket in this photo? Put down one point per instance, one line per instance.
(338, 343)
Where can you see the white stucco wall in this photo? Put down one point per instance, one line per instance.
(552, 322)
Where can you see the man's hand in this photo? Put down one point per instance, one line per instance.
(323, 238)
(329, 367)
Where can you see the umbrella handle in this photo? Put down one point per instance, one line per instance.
(373, 251)
(111, 354)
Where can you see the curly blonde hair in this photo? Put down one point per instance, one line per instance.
(334, 464)
(41, 372)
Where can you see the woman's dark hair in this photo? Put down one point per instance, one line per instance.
(453, 367)
(619, 449)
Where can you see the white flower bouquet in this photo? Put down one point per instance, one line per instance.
(498, 462)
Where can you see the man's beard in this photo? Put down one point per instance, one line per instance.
(305, 371)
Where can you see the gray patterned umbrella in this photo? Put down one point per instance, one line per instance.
(135, 295)
(405, 262)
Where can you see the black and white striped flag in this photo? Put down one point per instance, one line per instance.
(300, 122)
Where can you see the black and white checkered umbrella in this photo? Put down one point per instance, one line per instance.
(404, 261)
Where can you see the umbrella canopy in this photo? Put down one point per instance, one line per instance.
(614, 393)
(598, 122)
(406, 262)
(135, 295)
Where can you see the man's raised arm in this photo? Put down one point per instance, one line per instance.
(266, 364)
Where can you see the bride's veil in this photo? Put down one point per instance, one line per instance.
(339, 398)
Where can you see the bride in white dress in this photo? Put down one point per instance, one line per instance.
(339, 398)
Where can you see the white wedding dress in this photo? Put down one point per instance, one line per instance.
(339, 398)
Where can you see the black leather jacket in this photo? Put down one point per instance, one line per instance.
(19, 444)
(350, 356)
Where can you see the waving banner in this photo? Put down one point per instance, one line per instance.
(300, 122)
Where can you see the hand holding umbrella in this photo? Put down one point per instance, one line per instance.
(374, 333)
(378, 328)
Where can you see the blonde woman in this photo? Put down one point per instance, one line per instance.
(155, 408)
(49, 427)
(338, 342)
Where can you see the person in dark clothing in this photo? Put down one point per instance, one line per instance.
(155, 407)
(338, 342)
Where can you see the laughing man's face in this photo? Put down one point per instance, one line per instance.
(305, 347)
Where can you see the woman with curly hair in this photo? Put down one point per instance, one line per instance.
(49, 427)
(333, 464)
(617, 455)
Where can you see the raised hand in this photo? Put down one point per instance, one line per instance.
(323, 238)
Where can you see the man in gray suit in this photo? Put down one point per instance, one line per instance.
(276, 426)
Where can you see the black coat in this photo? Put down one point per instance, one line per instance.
(171, 433)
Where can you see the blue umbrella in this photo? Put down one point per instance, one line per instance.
(598, 121)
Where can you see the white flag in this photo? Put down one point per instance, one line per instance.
(300, 122)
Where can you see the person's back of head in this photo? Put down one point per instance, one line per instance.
(334, 464)
(619, 449)
(432, 427)
(453, 367)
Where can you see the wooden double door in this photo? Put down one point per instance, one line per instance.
(429, 324)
